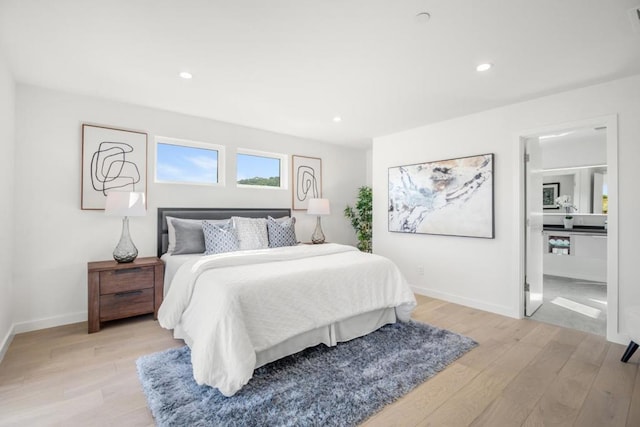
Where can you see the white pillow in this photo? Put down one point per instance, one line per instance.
(252, 232)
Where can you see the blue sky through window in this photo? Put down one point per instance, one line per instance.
(250, 166)
(179, 163)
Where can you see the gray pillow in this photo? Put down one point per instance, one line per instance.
(189, 235)
(172, 231)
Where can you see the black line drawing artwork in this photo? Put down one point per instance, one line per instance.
(112, 159)
(306, 174)
(110, 168)
(307, 184)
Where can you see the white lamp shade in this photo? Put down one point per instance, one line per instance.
(125, 203)
(318, 207)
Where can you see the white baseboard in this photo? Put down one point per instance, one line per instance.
(6, 342)
(497, 309)
(618, 338)
(49, 322)
(34, 325)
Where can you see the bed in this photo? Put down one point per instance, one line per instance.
(245, 308)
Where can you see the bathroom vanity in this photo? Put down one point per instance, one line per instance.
(579, 253)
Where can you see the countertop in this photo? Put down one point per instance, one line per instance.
(582, 229)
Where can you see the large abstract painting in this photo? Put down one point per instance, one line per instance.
(307, 180)
(451, 197)
(112, 159)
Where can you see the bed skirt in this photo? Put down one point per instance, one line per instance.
(330, 335)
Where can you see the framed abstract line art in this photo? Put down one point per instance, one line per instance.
(449, 197)
(550, 192)
(112, 159)
(307, 180)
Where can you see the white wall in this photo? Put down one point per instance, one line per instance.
(369, 159)
(7, 145)
(484, 273)
(55, 238)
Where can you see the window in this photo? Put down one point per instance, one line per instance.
(260, 169)
(189, 162)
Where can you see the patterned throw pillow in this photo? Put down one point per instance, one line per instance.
(252, 232)
(282, 232)
(219, 238)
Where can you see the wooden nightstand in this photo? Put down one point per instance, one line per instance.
(118, 290)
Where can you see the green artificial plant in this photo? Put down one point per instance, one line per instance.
(361, 216)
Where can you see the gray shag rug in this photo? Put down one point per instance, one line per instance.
(320, 386)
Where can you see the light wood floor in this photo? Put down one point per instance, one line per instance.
(523, 373)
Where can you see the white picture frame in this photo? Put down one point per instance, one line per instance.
(306, 174)
(112, 159)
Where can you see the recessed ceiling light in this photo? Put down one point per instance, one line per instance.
(484, 67)
(337, 119)
(185, 75)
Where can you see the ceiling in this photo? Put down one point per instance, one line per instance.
(291, 66)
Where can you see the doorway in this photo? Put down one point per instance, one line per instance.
(574, 303)
(570, 274)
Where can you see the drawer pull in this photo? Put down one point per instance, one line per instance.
(128, 293)
(128, 270)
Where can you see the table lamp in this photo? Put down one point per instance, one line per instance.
(125, 204)
(319, 207)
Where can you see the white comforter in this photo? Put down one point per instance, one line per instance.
(236, 304)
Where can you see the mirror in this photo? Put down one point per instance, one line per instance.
(587, 187)
(574, 163)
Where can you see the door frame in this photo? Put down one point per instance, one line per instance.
(611, 122)
(534, 224)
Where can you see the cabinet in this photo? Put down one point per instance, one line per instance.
(117, 291)
(578, 255)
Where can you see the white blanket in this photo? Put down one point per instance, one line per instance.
(236, 304)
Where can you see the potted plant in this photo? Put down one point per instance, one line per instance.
(564, 202)
(361, 216)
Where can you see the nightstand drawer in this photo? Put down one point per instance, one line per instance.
(129, 279)
(125, 304)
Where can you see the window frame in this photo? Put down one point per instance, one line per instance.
(284, 168)
(192, 144)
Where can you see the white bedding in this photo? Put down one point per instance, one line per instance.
(236, 304)
(171, 265)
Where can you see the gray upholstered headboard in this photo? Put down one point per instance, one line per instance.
(208, 213)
